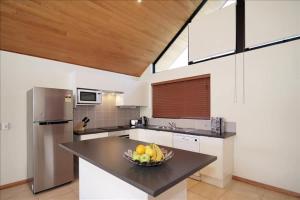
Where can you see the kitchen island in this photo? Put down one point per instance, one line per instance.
(105, 174)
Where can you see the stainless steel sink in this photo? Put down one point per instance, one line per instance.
(163, 127)
(169, 128)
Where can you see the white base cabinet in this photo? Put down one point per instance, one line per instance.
(133, 134)
(95, 183)
(218, 173)
(150, 136)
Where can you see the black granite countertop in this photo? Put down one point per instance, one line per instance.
(90, 131)
(107, 154)
(189, 131)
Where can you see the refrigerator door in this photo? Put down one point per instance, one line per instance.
(52, 104)
(52, 165)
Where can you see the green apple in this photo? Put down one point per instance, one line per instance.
(145, 158)
(135, 156)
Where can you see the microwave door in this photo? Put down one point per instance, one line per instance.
(87, 97)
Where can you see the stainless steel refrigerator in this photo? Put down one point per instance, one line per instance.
(50, 122)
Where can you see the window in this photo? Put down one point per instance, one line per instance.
(182, 98)
(205, 35)
(177, 54)
(212, 32)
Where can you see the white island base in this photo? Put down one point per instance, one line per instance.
(95, 183)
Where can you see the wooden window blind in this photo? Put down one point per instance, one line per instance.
(182, 98)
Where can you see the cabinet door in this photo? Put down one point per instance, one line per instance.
(214, 147)
(144, 135)
(163, 138)
(136, 96)
(140, 135)
(133, 134)
(93, 136)
(148, 136)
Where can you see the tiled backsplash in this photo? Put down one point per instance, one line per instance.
(191, 123)
(105, 114)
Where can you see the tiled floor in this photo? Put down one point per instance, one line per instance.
(196, 191)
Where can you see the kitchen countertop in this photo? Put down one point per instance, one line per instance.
(189, 131)
(107, 154)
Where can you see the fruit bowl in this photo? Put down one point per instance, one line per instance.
(161, 156)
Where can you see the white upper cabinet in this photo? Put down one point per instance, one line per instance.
(137, 95)
(272, 20)
(212, 34)
(134, 91)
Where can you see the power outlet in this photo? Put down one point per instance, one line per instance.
(4, 126)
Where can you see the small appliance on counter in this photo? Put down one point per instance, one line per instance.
(133, 122)
(81, 125)
(143, 121)
(217, 125)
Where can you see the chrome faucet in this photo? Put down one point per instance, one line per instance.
(172, 125)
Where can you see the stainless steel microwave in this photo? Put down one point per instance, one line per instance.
(88, 96)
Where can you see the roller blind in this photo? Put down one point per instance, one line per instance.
(182, 98)
(272, 20)
(212, 34)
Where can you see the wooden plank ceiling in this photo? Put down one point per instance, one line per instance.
(122, 36)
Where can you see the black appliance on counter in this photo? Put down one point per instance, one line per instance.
(143, 121)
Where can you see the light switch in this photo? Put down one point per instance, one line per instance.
(4, 126)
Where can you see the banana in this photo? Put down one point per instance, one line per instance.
(153, 157)
(159, 154)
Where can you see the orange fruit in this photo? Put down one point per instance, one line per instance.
(140, 149)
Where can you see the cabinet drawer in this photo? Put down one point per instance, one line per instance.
(116, 133)
(93, 136)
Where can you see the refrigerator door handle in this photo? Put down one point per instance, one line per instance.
(54, 122)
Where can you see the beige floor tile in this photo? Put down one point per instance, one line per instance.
(231, 195)
(207, 191)
(67, 196)
(293, 198)
(240, 187)
(196, 191)
(194, 196)
(18, 192)
(271, 195)
(56, 192)
(191, 182)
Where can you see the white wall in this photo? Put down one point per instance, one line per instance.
(263, 99)
(19, 73)
(267, 144)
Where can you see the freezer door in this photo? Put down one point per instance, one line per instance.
(52, 104)
(52, 165)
